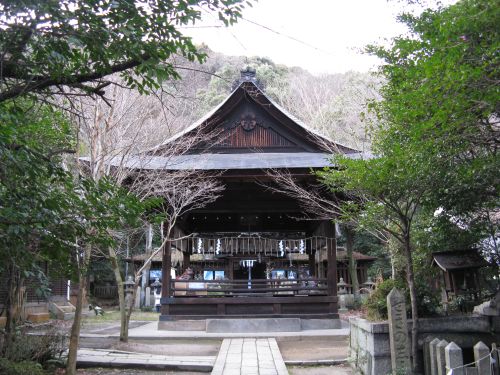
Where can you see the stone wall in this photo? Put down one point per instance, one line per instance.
(370, 348)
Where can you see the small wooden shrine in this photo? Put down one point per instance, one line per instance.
(248, 254)
(460, 273)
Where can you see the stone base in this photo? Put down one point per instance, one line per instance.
(256, 325)
(182, 325)
(38, 317)
(253, 325)
(313, 324)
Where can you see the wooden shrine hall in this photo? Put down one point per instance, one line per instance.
(257, 257)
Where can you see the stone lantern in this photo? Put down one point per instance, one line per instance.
(342, 291)
(157, 292)
(369, 284)
(129, 290)
(156, 286)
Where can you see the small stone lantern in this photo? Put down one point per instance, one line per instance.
(342, 291)
(157, 292)
(156, 286)
(369, 284)
(129, 290)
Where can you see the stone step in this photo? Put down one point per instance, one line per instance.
(68, 316)
(253, 325)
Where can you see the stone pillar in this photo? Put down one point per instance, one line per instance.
(398, 333)
(453, 359)
(441, 359)
(427, 355)
(482, 357)
(495, 353)
(137, 301)
(433, 357)
(148, 297)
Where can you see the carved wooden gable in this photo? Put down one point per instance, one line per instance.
(249, 121)
(248, 126)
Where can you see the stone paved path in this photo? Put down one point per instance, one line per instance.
(249, 356)
(121, 359)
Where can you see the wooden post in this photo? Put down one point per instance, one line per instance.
(312, 264)
(166, 266)
(331, 250)
(186, 259)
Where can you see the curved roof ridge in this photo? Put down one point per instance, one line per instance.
(284, 111)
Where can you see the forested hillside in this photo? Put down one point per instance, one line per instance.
(334, 104)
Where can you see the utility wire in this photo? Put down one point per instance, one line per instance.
(286, 36)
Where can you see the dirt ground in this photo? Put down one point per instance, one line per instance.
(313, 349)
(107, 371)
(321, 370)
(173, 348)
(293, 370)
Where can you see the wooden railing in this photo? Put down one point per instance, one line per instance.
(256, 287)
(106, 291)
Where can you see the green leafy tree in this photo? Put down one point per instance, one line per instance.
(442, 105)
(436, 144)
(47, 214)
(47, 47)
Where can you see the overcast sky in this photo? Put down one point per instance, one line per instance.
(318, 35)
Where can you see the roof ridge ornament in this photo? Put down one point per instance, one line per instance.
(248, 74)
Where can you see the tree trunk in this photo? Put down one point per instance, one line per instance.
(14, 302)
(74, 337)
(121, 294)
(413, 300)
(130, 304)
(353, 272)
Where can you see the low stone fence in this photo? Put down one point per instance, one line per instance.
(443, 358)
(370, 351)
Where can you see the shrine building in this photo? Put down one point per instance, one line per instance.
(251, 253)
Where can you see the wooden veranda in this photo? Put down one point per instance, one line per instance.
(276, 290)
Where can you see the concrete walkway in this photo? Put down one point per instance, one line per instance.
(120, 359)
(249, 356)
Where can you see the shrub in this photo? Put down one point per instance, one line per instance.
(427, 300)
(376, 304)
(8, 367)
(40, 347)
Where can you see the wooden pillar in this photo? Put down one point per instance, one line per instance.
(312, 263)
(166, 266)
(186, 255)
(331, 249)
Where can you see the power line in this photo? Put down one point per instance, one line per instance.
(286, 36)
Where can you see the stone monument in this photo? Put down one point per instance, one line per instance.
(398, 333)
